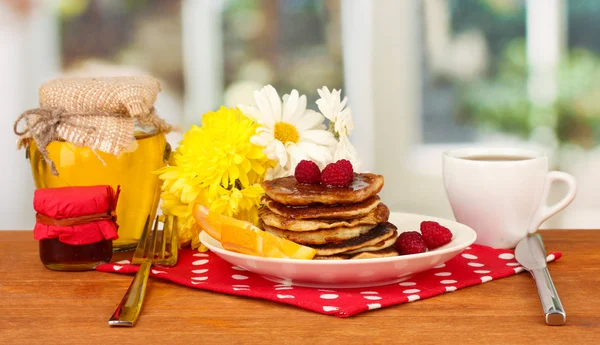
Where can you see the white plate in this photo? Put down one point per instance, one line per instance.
(352, 273)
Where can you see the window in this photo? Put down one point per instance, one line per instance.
(291, 44)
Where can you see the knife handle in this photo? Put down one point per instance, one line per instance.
(555, 314)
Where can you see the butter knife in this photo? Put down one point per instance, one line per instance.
(531, 254)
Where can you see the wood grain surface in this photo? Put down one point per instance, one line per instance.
(40, 306)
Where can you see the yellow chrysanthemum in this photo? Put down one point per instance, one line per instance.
(215, 165)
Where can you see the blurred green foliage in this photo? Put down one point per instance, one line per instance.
(501, 102)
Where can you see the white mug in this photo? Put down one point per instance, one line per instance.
(505, 199)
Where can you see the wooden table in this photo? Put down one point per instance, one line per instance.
(40, 306)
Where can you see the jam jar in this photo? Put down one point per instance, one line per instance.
(60, 256)
(75, 226)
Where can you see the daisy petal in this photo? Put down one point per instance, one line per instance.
(281, 153)
(264, 106)
(318, 154)
(290, 104)
(251, 112)
(344, 101)
(270, 150)
(309, 120)
(299, 111)
(275, 102)
(261, 139)
(318, 136)
(345, 150)
(296, 155)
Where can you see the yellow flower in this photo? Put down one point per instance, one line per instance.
(215, 165)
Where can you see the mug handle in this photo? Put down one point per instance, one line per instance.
(544, 211)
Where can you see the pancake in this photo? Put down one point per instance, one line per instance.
(322, 211)
(379, 215)
(383, 253)
(320, 237)
(378, 234)
(377, 247)
(288, 191)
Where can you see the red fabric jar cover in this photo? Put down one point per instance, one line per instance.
(76, 215)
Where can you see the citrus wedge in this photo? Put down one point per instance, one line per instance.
(243, 237)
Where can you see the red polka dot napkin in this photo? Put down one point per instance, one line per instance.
(206, 271)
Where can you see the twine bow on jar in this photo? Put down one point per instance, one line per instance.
(41, 125)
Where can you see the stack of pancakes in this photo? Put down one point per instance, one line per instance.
(339, 222)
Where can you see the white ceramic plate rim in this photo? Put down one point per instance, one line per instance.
(205, 238)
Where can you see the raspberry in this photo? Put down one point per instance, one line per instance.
(307, 172)
(410, 242)
(346, 164)
(434, 234)
(336, 175)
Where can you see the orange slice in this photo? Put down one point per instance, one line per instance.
(243, 237)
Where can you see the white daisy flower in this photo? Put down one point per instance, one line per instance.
(288, 131)
(334, 109)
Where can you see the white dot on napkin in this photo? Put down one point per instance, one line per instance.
(506, 256)
(469, 256)
(372, 297)
(413, 298)
(411, 291)
(482, 271)
(485, 279)
(158, 272)
(329, 296)
(369, 293)
(200, 271)
(200, 255)
(284, 288)
(450, 288)
(374, 306)
(475, 264)
(449, 281)
(518, 269)
(330, 308)
(550, 257)
(239, 277)
(443, 274)
(238, 268)
(117, 267)
(285, 296)
(407, 284)
(513, 264)
(440, 266)
(199, 278)
(199, 262)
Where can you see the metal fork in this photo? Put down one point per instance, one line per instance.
(168, 243)
(153, 249)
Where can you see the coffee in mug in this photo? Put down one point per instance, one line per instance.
(502, 193)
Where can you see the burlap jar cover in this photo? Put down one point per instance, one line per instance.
(99, 113)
